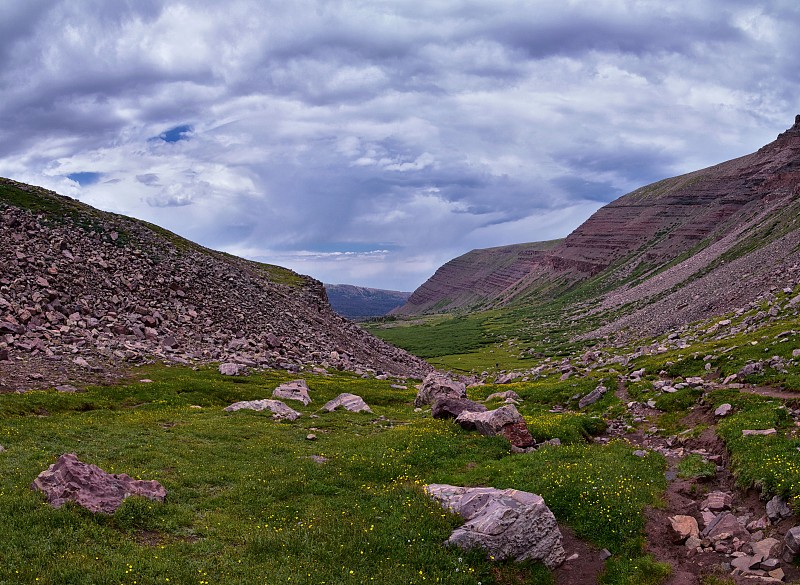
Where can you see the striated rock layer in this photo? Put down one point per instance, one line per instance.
(709, 230)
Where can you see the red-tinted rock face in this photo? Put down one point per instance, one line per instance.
(638, 232)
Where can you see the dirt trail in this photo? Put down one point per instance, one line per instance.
(683, 496)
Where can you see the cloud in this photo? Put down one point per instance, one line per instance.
(371, 142)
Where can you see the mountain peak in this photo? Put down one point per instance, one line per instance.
(793, 131)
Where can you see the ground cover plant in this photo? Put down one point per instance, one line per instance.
(248, 504)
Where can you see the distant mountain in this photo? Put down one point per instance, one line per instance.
(84, 292)
(358, 302)
(664, 255)
(478, 277)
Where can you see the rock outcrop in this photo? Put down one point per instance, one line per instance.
(508, 524)
(71, 480)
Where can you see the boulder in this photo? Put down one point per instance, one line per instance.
(777, 510)
(766, 548)
(725, 526)
(231, 369)
(508, 378)
(71, 480)
(716, 502)
(491, 421)
(791, 544)
(508, 524)
(437, 385)
(684, 527)
(452, 407)
(758, 432)
(349, 402)
(593, 396)
(723, 409)
(518, 435)
(507, 395)
(279, 410)
(294, 390)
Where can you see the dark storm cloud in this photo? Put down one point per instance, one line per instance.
(370, 142)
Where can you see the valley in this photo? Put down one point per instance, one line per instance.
(652, 359)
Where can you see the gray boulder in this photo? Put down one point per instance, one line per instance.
(436, 386)
(507, 395)
(294, 390)
(508, 524)
(349, 402)
(791, 544)
(490, 422)
(279, 410)
(777, 509)
(71, 480)
(231, 369)
(452, 407)
(593, 396)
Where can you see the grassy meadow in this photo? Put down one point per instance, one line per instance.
(247, 503)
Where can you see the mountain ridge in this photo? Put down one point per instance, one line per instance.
(645, 246)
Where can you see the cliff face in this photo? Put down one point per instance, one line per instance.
(83, 293)
(642, 245)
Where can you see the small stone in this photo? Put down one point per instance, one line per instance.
(311, 437)
(759, 432)
(770, 564)
(684, 527)
(723, 409)
(605, 554)
(572, 557)
(777, 574)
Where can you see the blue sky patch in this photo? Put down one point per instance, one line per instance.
(177, 133)
(84, 179)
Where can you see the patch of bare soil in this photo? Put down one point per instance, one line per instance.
(585, 569)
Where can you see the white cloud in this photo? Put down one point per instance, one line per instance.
(370, 142)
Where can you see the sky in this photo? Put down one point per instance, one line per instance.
(369, 142)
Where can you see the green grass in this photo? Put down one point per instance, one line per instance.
(697, 467)
(438, 337)
(247, 504)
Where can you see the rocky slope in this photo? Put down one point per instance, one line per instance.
(358, 302)
(85, 293)
(667, 253)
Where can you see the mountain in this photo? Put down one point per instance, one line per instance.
(666, 254)
(85, 294)
(358, 302)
